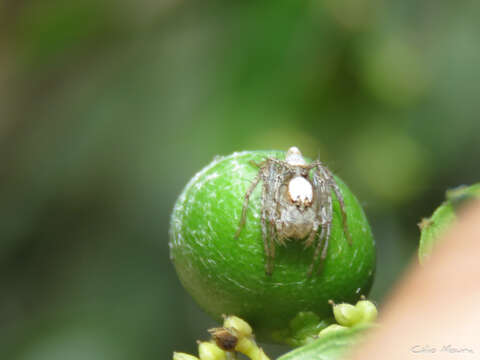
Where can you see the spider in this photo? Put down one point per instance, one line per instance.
(295, 205)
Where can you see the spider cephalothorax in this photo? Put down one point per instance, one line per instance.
(295, 205)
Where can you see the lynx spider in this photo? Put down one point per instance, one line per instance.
(295, 205)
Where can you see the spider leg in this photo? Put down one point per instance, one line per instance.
(265, 215)
(324, 207)
(317, 250)
(339, 197)
(312, 165)
(271, 255)
(276, 161)
(274, 178)
(266, 243)
(312, 235)
(280, 240)
(281, 181)
(327, 224)
(268, 207)
(325, 246)
(257, 164)
(277, 180)
(274, 173)
(245, 203)
(326, 215)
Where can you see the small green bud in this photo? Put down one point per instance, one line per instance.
(241, 327)
(331, 329)
(249, 347)
(210, 351)
(183, 356)
(346, 314)
(368, 310)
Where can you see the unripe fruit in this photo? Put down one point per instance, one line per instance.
(226, 275)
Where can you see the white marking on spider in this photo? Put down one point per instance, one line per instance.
(295, 204)
(300, 190)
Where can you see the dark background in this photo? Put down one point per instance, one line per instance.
(108, 108)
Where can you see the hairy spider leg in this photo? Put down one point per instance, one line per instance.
(328, 228)
(317, 250)
(245, 203)
(310, 241)
(328, 175)
(327, 215)
(324, 203)
(254, 163)
(273, 174)
(311, 237)
(249, 192)
(267, 232)
(266, 245)
(315, 203)
(285, 172)
(273, 181)
(271, 244)
(316, 224)
(272, 219)
(325, 246)
(278, 183)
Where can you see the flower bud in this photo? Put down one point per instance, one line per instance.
(210, 351)
(368, 310)
(347, 314)
(331, 329)
(183, 356)
(240, 326)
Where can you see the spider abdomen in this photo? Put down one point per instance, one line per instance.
(296, 215)
(295, 223)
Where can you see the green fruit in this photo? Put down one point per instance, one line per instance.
(226, 275)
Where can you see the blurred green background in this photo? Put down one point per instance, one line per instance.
(108, 108)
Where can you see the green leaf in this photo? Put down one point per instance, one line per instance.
(331, 346)
(302, 329)
(444, 216)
